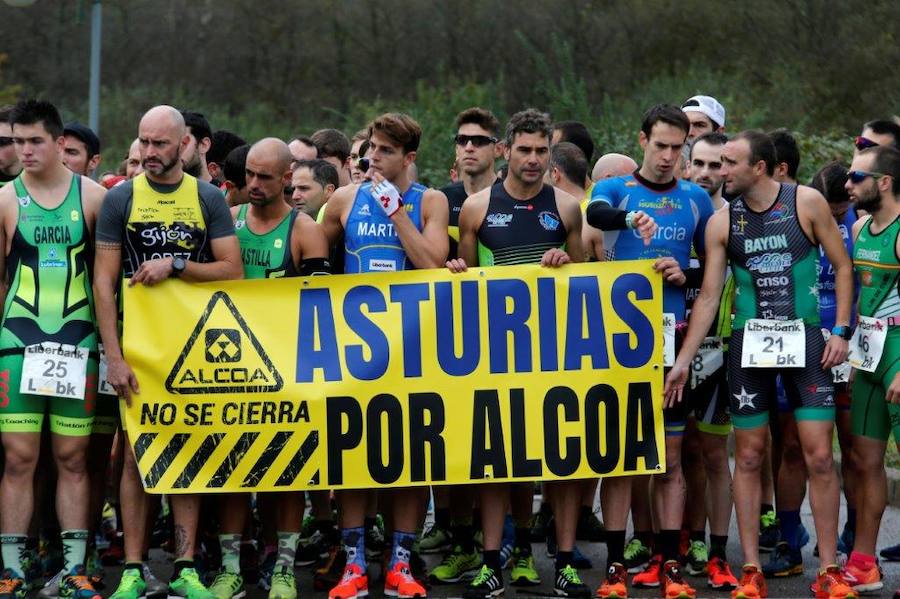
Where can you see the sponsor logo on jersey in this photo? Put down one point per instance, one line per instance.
(548, 220)
(772, 281)
(522, 206)
(499, 220)
(24, 200)
(662, 206)
(666, 233)
(161, 234)
(239, 224)
(770, 262)
(364, 211)
(382, 265)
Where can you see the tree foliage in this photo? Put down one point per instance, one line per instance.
(264, 67)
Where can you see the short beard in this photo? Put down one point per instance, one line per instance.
(871, 203)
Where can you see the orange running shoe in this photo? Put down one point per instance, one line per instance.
(830, 584)
(753, 584)
(399, 582)
(673, 585)
(353, 583)
(649, 578)
(720, 576)
(863, 580)
(616, 584)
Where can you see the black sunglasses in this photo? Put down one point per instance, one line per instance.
(858, 177)
(862, 143)
(479, 141)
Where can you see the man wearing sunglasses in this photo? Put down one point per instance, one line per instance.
(873, 184)
(770, 235)
(878, 133)
(10, 167)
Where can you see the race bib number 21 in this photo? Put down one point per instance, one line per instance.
(774, 344)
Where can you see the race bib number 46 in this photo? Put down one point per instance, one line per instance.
(774, 344)
(867, 343)
(54, 370)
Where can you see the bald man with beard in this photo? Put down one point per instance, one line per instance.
(162, 198)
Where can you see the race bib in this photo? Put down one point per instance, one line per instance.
(103, 386)
(841, 372)
(54, 370)
(668, 339)
(710, 358)
(867, 343)
(774, 344)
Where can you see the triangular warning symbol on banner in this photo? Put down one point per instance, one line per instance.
(223, 355)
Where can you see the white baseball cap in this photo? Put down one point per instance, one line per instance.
(708, 106)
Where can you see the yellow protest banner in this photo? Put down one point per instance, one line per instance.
(397, 379)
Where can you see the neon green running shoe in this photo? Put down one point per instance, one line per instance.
(188, 585)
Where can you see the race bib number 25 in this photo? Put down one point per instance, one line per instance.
(54, 370)
(774, 344)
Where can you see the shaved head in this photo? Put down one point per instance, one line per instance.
(613, 165)
(272, 150)
(268, 171)
(161, 138)
(164, 116)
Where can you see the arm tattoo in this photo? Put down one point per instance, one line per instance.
(109, 246)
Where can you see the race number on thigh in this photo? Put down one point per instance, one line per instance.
(710, 357)
(774, 344)
(668, 339)
(103, 386)
(54, 370)
(841, 372)
(867, 343)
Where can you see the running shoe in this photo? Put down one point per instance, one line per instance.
(354, 583)
(719, 575)
(863, 580)
(77, 585)
(284, 584)
(615, 586)
(637, 555)
(456, 566)
(188, 585)
(769, 532)
(784, 561)
(50, 589)
(673, 583)
(568, 584)
(752, 585)
(436, 540)
(696, 558)
(649, 577)
(830, 584)
(12, 586)
(487, 583)
(399, 582)
(523, 571)
(227, 585)
(131, 586)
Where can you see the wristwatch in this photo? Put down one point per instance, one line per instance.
(843, 331)
(178, 266)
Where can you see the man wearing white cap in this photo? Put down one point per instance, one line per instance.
(705, 114)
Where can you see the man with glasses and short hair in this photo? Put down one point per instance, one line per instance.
(881, 132)
(873, 184)
(10, 167)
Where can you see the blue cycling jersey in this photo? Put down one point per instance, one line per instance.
(827, 297)
(371, 243)
(681, 210)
